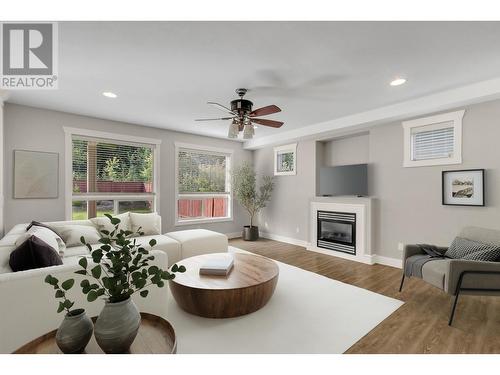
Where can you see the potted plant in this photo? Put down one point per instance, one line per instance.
(244, 183)
(121, 268)
(76, 329)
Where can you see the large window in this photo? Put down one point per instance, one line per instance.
(203, 192)
(434, 140)
(111, 176)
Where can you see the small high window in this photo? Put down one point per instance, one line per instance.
(434, 140)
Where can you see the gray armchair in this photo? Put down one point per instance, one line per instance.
(457, 276)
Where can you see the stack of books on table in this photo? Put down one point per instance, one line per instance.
(219, 266)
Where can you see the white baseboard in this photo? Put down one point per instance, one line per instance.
(233, 235)
(375, 258)
(276, 237)
(387, 261)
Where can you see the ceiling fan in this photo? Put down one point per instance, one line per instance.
(243, 117)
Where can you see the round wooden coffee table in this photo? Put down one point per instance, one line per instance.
(246, 289)
(155, 336)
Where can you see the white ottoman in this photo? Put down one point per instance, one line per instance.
(166, 244)
(199, 241)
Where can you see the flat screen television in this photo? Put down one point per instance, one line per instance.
(344, 180)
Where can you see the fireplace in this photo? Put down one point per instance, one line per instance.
(337, 231)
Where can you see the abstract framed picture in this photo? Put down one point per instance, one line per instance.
(463, 187)
(285, 160)
(36, 174)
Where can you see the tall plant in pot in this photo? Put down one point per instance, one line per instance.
(244, 182)
(121, 268)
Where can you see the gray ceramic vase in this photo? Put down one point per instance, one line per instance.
(75, 332)
(117, 326)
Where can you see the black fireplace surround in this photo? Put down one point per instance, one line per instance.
(337, 231)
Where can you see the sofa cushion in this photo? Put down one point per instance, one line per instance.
(149, 224)
(34, 253)
(199, 241)
(103, 223)
(78, 251)
(166, 244)
(434, 272)
(462, 247)
(5, 257)
(11, 236)
(71, 234)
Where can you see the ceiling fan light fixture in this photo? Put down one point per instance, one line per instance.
(248, 131)
(233, 130)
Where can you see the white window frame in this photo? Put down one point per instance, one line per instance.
(435, 122)
(290, 148)
(69, 132)
(211, 150)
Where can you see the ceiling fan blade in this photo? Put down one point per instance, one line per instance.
(270, 109)
(222, 108)
(271, 123)
(213, 119)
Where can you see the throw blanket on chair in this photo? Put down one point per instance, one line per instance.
(414, 264)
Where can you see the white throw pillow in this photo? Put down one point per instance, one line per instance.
(46, 235)
(103, 223)
(71, 234)
(148, 223)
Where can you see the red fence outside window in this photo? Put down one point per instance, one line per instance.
(196, 208)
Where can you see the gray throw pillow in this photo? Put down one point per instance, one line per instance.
(461, 248)
(490, 255)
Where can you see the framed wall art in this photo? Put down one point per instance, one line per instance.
(36, 174)
(463, 187)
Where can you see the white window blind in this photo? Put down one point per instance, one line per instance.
(201, 172)
(107, 167)
(203, 187)
(433, 144)
(111, 177)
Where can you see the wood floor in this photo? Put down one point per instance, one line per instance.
(420, 325)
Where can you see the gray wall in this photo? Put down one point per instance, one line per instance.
(1, 169)
(409, 206)
(42, 130)
(347, 150)
(407, 200)
(288, 212)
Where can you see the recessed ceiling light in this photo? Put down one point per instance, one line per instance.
(398, 82)
(109, 94)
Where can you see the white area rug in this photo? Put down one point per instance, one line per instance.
(308, 313)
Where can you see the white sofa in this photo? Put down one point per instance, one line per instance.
(27, 304)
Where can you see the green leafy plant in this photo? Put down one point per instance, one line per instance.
(121, 266)
(65, 304)
(244, 183)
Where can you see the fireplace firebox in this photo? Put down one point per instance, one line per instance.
(337, 231)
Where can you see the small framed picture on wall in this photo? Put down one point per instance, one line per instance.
(285, 160)
(463, 187)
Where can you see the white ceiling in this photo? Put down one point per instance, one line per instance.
(165, 72)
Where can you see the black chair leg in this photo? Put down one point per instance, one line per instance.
(402, 281)
(454, 307)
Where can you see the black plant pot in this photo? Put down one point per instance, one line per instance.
(250, 233)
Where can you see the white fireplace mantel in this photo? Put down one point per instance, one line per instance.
(362, 207)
